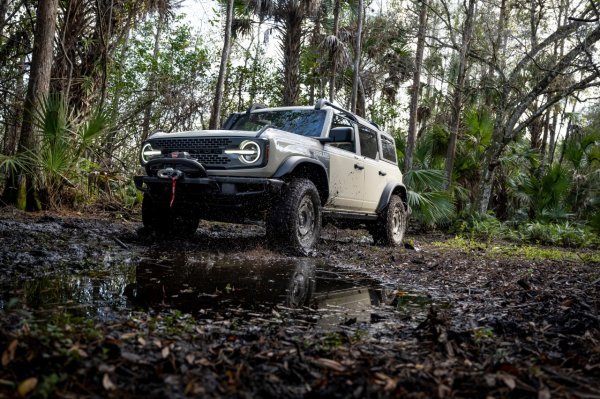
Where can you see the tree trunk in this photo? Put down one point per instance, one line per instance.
(116, 97)
(457, 97)
(414, 94)
(253, 85)
(292, 41)
(336, 31)
(41, 67)
(11, 136)
(491, 161)
(357, 49)
(361, 103)
(499, 45)
(3, 9)
(553, 138)
(314, 76)
(215, 115)
(544, 144)
(567, 135)
(37, 90)
(151, 91)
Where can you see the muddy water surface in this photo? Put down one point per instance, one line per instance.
(202, 283)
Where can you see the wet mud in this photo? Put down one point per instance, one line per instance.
(93, 307)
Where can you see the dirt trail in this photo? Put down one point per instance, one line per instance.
(89, 307)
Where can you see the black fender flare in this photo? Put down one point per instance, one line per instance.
(391, 188)
(290, 164)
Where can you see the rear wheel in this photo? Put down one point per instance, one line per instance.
(162, 220)
(294, 221)
(389, 229)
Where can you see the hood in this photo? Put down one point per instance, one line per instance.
(203, 133)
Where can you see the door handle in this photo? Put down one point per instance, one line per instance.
(359, 167)
(382, 173)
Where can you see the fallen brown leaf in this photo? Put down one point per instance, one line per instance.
(108, 384)
(27, 386)
(330, 364)
(165, 352)
(508, 380)
(9, 354)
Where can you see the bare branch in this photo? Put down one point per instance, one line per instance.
(559, 34)
(543, 83)
(588, 82)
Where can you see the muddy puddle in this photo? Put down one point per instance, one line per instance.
(203, 284)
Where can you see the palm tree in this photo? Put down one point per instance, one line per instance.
(288, 16)
(65, 138)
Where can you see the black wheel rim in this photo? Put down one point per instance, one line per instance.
(307, 220)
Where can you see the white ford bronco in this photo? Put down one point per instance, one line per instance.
(289, 166)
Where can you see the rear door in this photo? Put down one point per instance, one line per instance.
(375, 176)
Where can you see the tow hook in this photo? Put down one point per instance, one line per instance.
(173, 174)
(169, 173)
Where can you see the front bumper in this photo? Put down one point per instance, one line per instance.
(216, 186)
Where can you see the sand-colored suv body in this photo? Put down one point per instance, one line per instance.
(290, 166)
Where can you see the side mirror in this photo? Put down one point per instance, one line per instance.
(342, 134)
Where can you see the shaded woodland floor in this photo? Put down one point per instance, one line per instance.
(89, 307)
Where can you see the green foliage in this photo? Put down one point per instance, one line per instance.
(175, 82)
(544, 196)
(530, 252)
(430, 151)
(11, 164)
(474, 137)
(64, 139)
(488, 228)
(430, 202)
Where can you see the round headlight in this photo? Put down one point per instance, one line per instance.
(251, 151)
(148, 153)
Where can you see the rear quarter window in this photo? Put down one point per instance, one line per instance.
(389, 149)
(368, 142)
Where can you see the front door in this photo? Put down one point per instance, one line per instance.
(346, 179)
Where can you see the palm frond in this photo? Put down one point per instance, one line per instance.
(92, 128)
(51, 119)
(432, 207)
(11, 164)
(425, 179)
(241, 27)
(430, 202)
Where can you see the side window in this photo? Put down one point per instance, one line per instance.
(389, 149)
(368, 142)
(340, 121)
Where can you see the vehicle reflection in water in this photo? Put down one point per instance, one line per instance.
(194, 285)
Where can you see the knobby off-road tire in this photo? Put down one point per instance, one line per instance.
(294, 221)
(161, 220)
(389, 229)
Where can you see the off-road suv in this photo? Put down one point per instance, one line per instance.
(288, 166)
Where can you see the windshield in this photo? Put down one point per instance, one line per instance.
(306, 122)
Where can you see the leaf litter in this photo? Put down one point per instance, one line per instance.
(443, 322)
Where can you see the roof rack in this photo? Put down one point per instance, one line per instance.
(255, 106)
(324, 102)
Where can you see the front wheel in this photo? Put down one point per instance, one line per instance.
(391, 225)
(294, 220)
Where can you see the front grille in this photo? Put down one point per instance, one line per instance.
(207, 150)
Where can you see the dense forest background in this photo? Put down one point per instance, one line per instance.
(494, 104)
